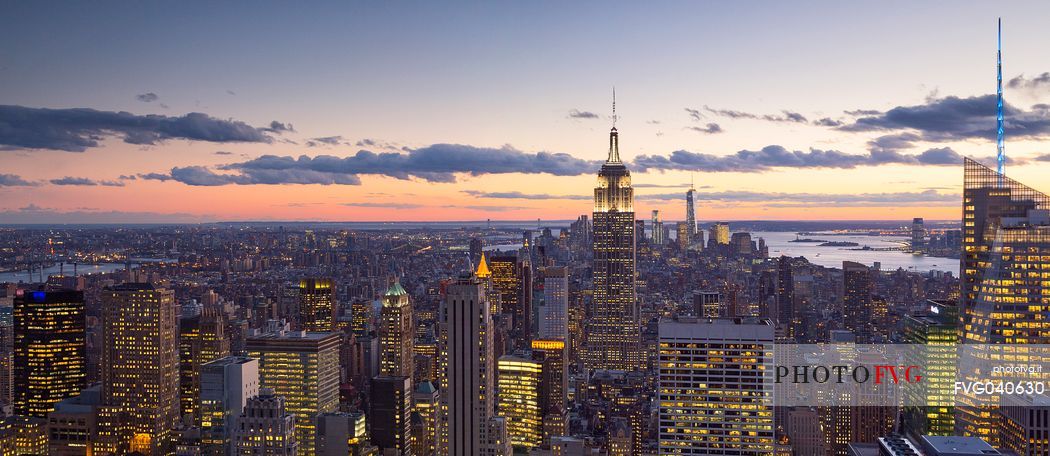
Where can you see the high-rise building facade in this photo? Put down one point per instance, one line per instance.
(317, 307)
(303, 368)
(554, 314)
(937, 330)
(857, 303)
(918, 235)
(519, 400)
(140, 361)
(1003, 300)
(658, 229)
(613, 335)
(714, 387)
(468, 423)
(266, 427)
(390, 410)
(396, 333)
(512, 283)
(226, 385)
(719, 234)
(690, 211)
(49, 358)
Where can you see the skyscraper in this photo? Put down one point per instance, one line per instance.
(303, 368)
(396, 333)
(226, 385)
(857, 288)
(690, 211)
(786, 315)
(918, 235)
(554, 315)
(49, 349)
(658, 229)
(317, 306)
(266, 427)
(202, 339)
(552, 354)
(684, 237)
(468, 374)
(519, 400)
(1006, 237)
(515, 295)
(937, 330)
(140, 362)
(714, 394)
(426, 404)
(719, 234)
(613, 336)
(390, 410)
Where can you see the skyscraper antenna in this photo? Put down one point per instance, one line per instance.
(999, 142)
(614, 106)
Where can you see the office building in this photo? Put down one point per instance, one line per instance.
(317, 308)
(857, 289)
(266, 427)
(554, 314)
(714, 387)
(226, 385)
(396, 333)
(49, 358)
(468, 423)
(426, 404)
(1006, 236)
(708, 304)
(683, 236)
(140, 362)
(690, 212)
(613, 335)
(303, 369)
(519, 400)
(719, 234)
(918, 235)
(937, 330)
(202, 339)
(511, 281)
(390, 409)
(658, 229)
(1026, 424)
(343, 434)
(552, 354)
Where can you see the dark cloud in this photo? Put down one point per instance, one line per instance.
(695, 114)
(148, 97)
(710, 128)
(435, 163)
(155, 176)
(1042, 158)
(774, 156)
(202, 176)
(14, 180)
(863, 112)
(577, 114)
(77, 129)
(520, 195)
(83, 181)
(954, 118)
(1038, 82)
(785, 116)
(278, 127)
(325, 140)
(223, 152)
(366, 143)
(928, 197)
(827, 122)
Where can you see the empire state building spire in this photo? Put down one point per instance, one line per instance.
(614, 137)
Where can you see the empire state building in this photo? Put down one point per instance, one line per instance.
(613, 339)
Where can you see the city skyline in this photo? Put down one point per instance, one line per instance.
(770, 117)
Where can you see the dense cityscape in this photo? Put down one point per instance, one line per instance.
(650, 325)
